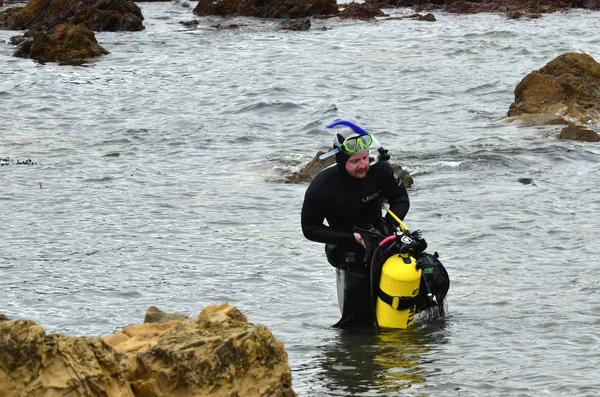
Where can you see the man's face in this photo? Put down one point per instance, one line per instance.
(358, 164)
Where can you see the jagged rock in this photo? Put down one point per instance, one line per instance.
(361, 11)
(526, 6)
(193, 22)
(289, 9)
(519, 15)
(529, 8)
(429, 17)
(64, 43)
(316, 165)
(230, 26)
(155, 315)
(295, 24)
(216, 354)
(579, 133)
(418, 17)
(96, 15)
(568, 86)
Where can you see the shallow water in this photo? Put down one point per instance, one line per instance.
(156, 173)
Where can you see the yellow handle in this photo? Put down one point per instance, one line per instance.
(403, 227)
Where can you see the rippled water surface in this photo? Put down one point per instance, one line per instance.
(156, 183)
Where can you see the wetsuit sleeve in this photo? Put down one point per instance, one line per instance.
(313, 217)
(395, 193)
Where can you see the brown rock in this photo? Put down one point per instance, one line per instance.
(579, 133)
(34, 364)
(289, 9)
(216, 354)
(530, 7)
(429, 17)
(96, 15)
(65, 43)
(527, 6)
(310, 170)
(568, 86)
(301, 25)
(155, 315)
(361, 11)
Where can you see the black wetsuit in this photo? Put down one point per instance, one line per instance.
(345, 202)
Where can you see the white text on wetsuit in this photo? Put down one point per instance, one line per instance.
(371, 197)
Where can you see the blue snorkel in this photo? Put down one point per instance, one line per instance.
(350, 124)
(345, 123)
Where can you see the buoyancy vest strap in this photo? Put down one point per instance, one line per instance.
(398, 302)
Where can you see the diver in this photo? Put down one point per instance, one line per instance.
(349, 196)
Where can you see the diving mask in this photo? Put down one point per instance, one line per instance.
(354, 140)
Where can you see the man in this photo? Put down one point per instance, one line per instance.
(349, 195)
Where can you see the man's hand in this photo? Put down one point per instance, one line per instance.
(358, 238)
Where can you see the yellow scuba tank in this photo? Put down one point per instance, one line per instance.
(399, 287)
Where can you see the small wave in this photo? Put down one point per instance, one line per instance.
(100, 180)
(268, 107)
(496, 34)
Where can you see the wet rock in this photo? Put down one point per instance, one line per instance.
(64, 43)
(418, 17)
(96, 15)
(290, 9)
(316, 165)
(527, 7)
(155, 315)
(231, 26)
(504, 6)
(193, 22)
(520, 15)
(579, 133)
(429, 17)
(568, 86)
(18, 39)
(219, 353)
(361, 11)
(295, 24)
(526, 181)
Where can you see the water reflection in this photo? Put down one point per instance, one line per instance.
(365, 362)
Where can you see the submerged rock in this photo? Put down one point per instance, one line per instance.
(530, 8)
(289, 9)
(361, 11)
(219, 353)
(155, 315)
(579, 133)
(301, 25)
(96, 15)
(64, 43)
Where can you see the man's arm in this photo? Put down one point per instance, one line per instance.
(313, 217)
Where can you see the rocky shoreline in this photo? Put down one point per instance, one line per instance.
(218, 353)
